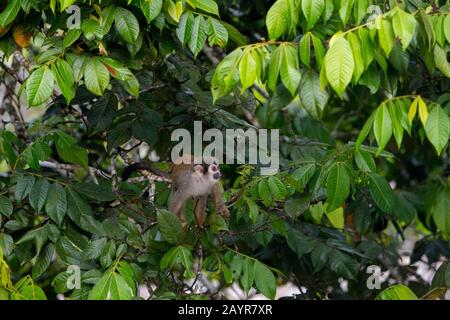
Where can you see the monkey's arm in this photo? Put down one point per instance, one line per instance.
(220, 205)
(200, 209)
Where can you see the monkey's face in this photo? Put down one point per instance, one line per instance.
(209, 172)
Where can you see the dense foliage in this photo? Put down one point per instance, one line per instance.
(359, 89)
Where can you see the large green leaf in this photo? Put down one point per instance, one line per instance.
(264, 280)
(312, 10)
(127, 25)
(9, 13)
(247, 70)
(96, 76)
(397, 292)
(209, 6)
(382, 126)
(38, 194)
(40, 86)
(6, 206)
(56, 205)
(339, 65)
(441, 211)
(338, 185)
(313, 98)
(198, 35)
(277, 19)
(404, 25)
(112, 286)
(63, 74)
(170, 226)
(381, 192)
(437, 128)
(386, 35)
(151, 9)
(289, 68)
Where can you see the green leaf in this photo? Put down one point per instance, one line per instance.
(217, 33)
(396, 124)
(170, 227)
(96, 76)
(277, 188)
(437, 128)
(9, 13)
(382, 126)
(312, 10)
(23, 186)
(77, 207)
(313, 98)
(197, 39)
(397, 292)
(248, 275)
(404, 25)
(44, 260)
(26, 289)
(357, 56)
(386, 35)
(365, 161)
(99, 192)
(247, 70)
(289, 68)
(346, 10)
(38, 194)
(226, 75)
(299, 243)
(63, 74)
(441, 211)
(339, 65)
(336, 218)
(338, 185)
(112, 286)
(126, 24)
(264, 192)
(440, 59)
(6, 245)
(360, 10)
(234, 34)
(277, 19)
(184, 29)
(265, 280)
(304, 48)
(56, 205)
(253, 210)
(319, 50)
(6, 206)
(304, 174)
(381, 192)
(70, 152)
(95, 248)
(40, 86)
(151, 9)
(70, 37)
(209, 6)
(66, 3)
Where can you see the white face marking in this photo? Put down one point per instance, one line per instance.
(202, 182)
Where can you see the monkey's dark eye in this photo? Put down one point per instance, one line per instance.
(214, 168)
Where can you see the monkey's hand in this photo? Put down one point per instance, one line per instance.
(223, 210)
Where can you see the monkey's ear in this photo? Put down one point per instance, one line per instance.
(199, 168)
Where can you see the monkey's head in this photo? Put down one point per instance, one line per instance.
(210, 172)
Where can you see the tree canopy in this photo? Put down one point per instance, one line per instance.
(359, 89)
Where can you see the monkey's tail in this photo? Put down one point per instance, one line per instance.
(141, 166)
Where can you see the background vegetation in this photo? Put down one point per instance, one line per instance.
(358, 88)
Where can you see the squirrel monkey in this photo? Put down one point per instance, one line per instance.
(190, 180)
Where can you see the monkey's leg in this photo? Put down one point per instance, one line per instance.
(200, 209)
(220, 205)
(177, 207)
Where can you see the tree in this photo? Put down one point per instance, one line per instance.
(358, 89)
